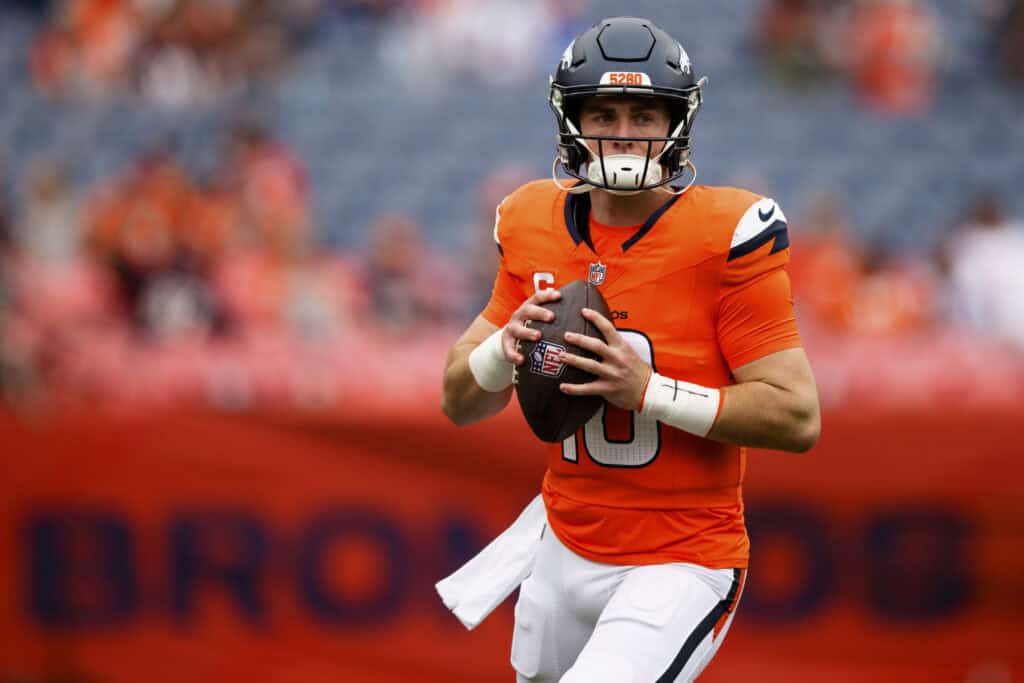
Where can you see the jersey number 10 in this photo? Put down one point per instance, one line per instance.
(645, 438)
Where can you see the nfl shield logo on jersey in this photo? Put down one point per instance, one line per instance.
(597, 273)
(545, 361)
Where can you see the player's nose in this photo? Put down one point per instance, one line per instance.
(623, 130)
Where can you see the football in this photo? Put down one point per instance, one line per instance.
(551, 414)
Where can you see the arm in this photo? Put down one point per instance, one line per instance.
(773, 405)
(464, 401)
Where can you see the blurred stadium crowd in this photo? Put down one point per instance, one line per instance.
(260, 202)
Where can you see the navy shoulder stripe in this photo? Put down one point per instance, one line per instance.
(777, 232)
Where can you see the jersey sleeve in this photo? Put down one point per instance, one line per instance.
(507, 294)
(755, 307)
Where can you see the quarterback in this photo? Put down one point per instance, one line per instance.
(633, 559)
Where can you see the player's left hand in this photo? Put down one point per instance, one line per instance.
(621, 374)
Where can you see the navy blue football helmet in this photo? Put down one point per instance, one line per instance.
(624, 56)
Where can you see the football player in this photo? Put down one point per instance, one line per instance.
(642, 550)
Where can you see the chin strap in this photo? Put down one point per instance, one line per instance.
(668, 189)
(583, 187)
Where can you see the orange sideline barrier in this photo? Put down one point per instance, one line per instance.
(220, 548)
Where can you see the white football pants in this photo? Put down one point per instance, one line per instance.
(579, 621)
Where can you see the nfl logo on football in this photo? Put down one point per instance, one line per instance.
(597, 273)
(545, 361)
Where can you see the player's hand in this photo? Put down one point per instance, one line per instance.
(621, 374)
(518, 325)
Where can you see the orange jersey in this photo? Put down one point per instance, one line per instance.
(699, 289)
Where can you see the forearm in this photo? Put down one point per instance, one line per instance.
(774, 404)
(463, 400)
(761, 415)
(479, 372)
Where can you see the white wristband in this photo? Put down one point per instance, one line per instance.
(686, 406)
(488, 365)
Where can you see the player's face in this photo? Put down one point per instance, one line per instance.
(624, 117)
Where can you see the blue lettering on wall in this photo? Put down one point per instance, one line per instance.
(325, 599)
(802, 528)
(919, 568)
(80, 568)
(218, 548)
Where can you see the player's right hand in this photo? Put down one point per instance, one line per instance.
(518, 325)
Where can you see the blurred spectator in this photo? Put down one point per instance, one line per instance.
(895, 296)
(498, 43)
(270, 184)
(48, 228)
(175, 52)
(200, 50)
(892, 52)
(845, 287)
(1009, 38)
(827, 261)
(410, 287)
(20, 384)
(888, 49)
(984, 257)
(372, 8)
(88, 48)
(51, 61)
(308, 296)
(137, 228)
(210, 221)
(793, 35)
(5, 211)
(482, 252)
(274, 277)
(6, 241)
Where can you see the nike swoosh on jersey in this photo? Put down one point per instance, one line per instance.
(756, 228)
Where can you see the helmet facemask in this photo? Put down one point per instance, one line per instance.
(624, 174)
